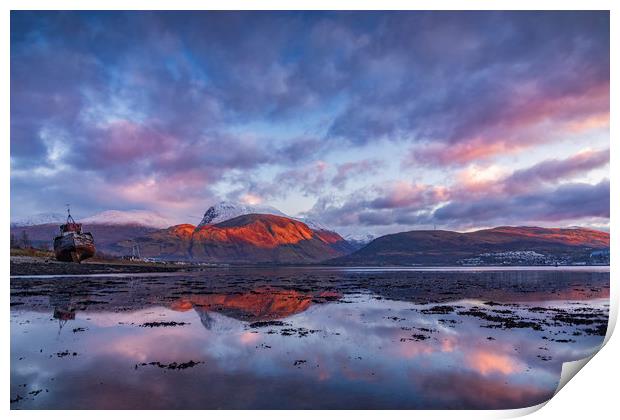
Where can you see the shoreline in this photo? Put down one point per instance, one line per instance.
(42, 266)
(35, 266)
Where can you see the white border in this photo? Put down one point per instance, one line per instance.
(593, 395)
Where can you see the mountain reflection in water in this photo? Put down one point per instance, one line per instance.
(255, 305)
(301, 338)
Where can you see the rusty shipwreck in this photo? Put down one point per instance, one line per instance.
(71, 244)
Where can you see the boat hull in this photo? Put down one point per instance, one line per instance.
(74, 247)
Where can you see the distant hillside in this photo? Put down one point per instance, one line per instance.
(512, 245)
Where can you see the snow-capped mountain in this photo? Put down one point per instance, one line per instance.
(129, 217)
(364, 237)
(360, 240)
(40, 219)
(226, 210)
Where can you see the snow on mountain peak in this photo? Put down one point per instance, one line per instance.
(226, 210)
(129, 217)
(40, 219)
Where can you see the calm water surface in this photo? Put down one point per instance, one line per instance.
(302, 338)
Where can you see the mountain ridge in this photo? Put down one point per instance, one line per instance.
(435, 247)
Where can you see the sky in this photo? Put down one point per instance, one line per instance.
(369, 122)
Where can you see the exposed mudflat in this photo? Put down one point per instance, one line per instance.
(301, 338)
(36, 266)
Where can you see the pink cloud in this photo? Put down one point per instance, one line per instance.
(528, 118)
(589, 123)
(474, 149)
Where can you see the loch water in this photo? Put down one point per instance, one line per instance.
(302, 338)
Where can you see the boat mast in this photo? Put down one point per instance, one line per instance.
(69, 218)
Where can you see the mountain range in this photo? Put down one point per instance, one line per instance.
(143, 218)
(249, 238)
(228, 233)
(236, 233)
